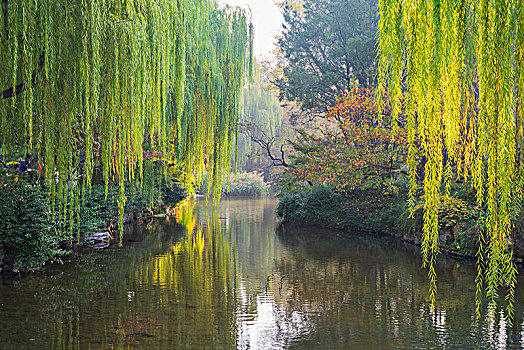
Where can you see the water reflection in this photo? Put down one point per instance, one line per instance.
(227, 276)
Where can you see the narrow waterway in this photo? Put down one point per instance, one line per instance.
(227, 276)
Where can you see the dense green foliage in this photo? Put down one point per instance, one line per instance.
(106, 88)
(318, 205)
(324, 44)
(456, 70)
(26, 231)
(31, 235)
(365, 210)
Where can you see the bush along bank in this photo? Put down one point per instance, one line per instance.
(249, 184)
(376, 211)
(240, 184)
(363, 210)
(31, 235)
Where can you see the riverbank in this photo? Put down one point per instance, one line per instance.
(373, 211)
(31, 236)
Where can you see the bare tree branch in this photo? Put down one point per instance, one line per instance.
(265, 142)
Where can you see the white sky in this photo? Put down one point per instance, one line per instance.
(267, 20)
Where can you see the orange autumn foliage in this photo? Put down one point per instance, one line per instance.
(357, 149)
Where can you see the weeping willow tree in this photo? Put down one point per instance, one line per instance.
(219, 52)
(454, 70)
(117, 84)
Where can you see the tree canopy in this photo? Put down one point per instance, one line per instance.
(455, 69)
(326, 44)
(118, 84)
(353, 150)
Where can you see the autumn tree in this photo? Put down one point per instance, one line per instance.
(355, 149)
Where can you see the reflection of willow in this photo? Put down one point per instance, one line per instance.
(262, 321)
(160, 293)
(190, 287)
(360, 286)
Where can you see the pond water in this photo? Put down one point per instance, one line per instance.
(227, 276)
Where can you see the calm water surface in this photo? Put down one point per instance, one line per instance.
(228, 277)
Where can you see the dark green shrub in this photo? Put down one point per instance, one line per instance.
(173, 195)
(315, 205)
(410, 222)
(369, 209)
(26, 233)
(29, 233)
(451, 211)
(96, 211)
(289, 203)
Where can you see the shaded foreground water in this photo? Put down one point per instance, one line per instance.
(226, 277)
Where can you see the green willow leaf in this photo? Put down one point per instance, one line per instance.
(100, 90)
(454, 71)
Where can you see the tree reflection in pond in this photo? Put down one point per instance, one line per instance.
(227, 276)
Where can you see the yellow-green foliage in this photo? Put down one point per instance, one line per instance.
(101, 81)
(453, 211)
(455, 70)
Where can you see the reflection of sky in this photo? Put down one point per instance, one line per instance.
(264, 323)
(496, 332)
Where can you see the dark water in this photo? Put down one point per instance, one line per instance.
(225, 277)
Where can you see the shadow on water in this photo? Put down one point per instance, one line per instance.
(228, 276)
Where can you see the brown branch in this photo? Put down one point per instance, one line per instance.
(18, 89)
(265, 142)
(266, 145)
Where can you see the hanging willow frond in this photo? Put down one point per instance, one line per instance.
(89, 84)
(454, 69)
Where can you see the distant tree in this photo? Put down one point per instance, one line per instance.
(261, 118)
(325, 45)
